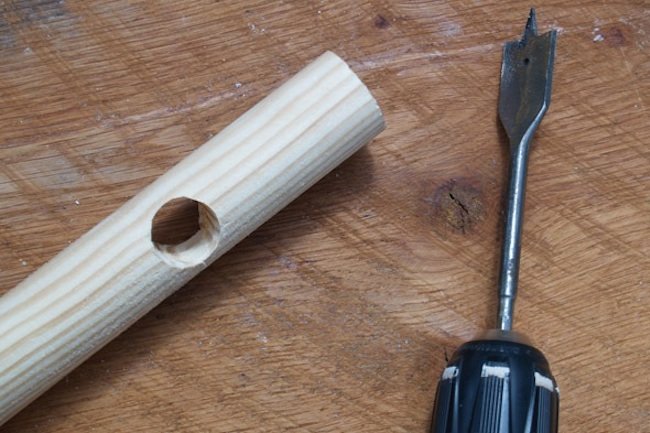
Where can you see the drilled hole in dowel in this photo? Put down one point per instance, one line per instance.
(184, 232)
(175, 222)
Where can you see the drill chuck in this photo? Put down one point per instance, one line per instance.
(496, 385)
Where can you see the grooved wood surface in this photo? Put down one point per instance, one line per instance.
(337, 315)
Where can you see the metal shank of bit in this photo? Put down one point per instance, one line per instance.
(524, 97)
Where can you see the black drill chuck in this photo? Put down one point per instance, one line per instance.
(496, 385)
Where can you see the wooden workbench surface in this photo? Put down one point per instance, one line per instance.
(337, 315)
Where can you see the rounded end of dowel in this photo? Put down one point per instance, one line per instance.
(335, 58)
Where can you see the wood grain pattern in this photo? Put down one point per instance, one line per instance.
(114, 274)
(338, 313)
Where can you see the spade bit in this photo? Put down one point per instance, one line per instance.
(500, 383)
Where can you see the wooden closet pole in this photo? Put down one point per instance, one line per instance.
(99, 285)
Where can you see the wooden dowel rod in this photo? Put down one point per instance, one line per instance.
(99, 285)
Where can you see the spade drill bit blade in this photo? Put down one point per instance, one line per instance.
(526, 75)
(524, 97)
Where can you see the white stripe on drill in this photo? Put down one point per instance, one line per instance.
(544, 382)
(449, 373)
(495, 370)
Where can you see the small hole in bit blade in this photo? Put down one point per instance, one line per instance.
(526, 61)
